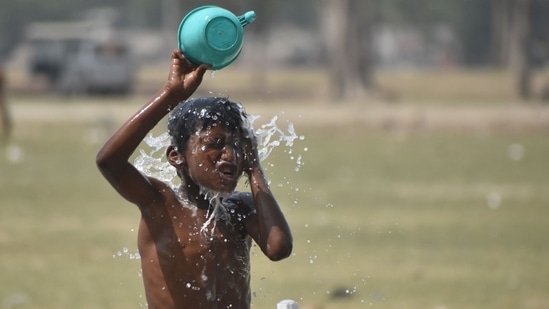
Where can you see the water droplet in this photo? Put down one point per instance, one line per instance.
(493, 200)
(14, 154)
(516, 152)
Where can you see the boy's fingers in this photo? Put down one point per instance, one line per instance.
(176, 55)
(203, 68)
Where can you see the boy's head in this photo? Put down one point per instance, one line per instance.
(195, 115)
(205, 148)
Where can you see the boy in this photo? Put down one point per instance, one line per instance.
(194, 240)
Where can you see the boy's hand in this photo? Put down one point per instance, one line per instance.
(251, 157)
(184, 77)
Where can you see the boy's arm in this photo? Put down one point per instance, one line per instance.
(268, 226)
(112, 159)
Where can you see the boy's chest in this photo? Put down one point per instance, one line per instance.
(207, 237)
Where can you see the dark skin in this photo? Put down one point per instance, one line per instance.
(187, 260)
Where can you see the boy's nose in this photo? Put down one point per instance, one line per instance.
(228, 153)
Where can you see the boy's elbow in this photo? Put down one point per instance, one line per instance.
(281, 250)
(100, 161)
(103, 162)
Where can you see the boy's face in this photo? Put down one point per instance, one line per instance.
(214, 158)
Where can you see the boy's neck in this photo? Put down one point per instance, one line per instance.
(191, 195)
(201, 198)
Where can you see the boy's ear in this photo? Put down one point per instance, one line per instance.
(175, 158)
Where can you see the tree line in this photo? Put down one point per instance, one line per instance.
(510, 34)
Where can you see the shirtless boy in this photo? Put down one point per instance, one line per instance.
(195, 240)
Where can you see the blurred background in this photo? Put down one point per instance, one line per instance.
(417, 175)
(351, 39)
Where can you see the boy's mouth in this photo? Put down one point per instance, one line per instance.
(227, 170)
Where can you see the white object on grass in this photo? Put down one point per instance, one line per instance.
(287, 304)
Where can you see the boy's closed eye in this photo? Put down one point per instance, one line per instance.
(214, 142)
(220, 142)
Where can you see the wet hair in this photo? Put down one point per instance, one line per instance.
(198, 114)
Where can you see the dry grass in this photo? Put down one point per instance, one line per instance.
(413, 205)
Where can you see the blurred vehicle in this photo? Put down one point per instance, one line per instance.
(96, 68)
(80, 58)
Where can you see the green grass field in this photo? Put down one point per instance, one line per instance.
(381, 219)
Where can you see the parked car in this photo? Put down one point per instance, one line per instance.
(77, 57)
(97, 68)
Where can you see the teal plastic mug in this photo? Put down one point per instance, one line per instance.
(212, 35)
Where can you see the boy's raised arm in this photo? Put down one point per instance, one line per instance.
(112, 159)
(269, 227)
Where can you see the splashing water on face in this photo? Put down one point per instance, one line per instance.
(269, 136)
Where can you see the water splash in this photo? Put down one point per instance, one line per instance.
(153, 163)
(269, 136)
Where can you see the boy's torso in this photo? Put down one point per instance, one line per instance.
(189, 261)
